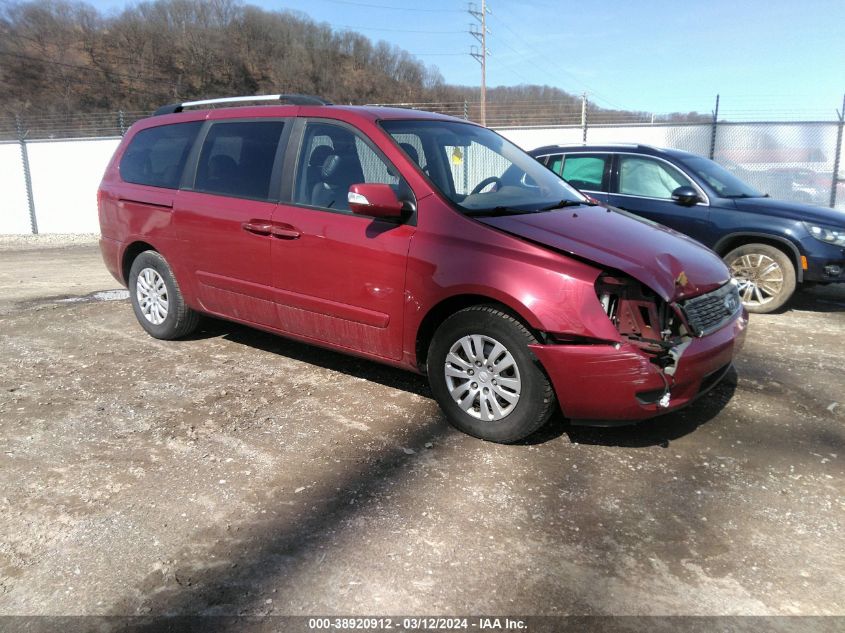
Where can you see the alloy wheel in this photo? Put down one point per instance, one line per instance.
(482, 377)
(760, 278)
(152, 296)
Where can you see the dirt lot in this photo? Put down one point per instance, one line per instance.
(237, 472)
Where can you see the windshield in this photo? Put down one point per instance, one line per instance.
(478, 170)
(723, 182)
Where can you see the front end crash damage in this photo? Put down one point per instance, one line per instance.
(659, 361)
(658, 328)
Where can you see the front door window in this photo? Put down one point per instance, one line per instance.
(649, 178)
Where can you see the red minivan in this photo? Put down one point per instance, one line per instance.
(421, 241)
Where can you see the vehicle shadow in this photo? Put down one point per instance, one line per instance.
(313, 355)
(822, 299)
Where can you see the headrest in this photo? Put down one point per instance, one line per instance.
(411, 151)
(222, 164)
(318, 155)
(331, 166)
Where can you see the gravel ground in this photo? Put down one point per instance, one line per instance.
(237, 472)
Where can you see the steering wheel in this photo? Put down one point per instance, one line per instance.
(484, 183)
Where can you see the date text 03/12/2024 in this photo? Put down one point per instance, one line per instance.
(418, 624)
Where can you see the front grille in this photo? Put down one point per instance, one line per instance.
(707, 313)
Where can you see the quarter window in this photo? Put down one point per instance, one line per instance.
(649, 178)
(585, 172)
(555, 163)
(156, 156)
(237, 159)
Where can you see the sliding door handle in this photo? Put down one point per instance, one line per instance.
(259, 228)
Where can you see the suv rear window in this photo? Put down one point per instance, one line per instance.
(237, 158)
(156, 156)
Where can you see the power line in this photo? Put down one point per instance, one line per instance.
(371, 28)
(546, 70)
(48, 62)
(384, 6)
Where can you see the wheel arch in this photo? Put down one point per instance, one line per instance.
(449, 306)
(130, 253)
(735, 240)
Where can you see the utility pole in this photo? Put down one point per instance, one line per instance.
(481, 56)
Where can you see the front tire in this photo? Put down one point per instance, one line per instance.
(485, 378)
(156, 299)
(766, 276)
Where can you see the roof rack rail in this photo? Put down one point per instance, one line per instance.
(295, 99)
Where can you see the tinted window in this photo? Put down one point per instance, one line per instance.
(331, 160)
(156, 156)
(585, 172)
(555, 163)
(237, 158)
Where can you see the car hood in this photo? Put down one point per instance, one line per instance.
(791, 210)
(669, 263)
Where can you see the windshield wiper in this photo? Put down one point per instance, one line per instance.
(566, 203)
(496, 211)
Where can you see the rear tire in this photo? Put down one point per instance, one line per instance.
(156, 299)
(766, 276)
(485, 378)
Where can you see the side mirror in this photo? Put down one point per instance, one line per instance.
(686, 196)
(376, 200)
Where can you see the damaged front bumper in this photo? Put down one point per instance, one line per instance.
(646, 373)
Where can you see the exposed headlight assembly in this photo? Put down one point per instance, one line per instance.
(827, 234)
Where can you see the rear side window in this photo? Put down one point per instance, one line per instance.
(237, 158)
(555, 163)
(156, 156)
(585, 172)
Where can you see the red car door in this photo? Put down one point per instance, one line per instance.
(340, 277)
(225, 219)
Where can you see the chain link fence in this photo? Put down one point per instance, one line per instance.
(64, 126)
(799, 161)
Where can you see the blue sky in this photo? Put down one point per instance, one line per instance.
(787, 57)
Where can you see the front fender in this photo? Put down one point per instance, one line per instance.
(549, 291)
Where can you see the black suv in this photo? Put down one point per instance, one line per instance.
(770, 245)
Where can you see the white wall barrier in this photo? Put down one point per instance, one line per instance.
(65, 177)
(14, 207)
